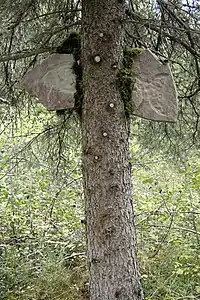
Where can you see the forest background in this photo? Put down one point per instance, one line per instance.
(42, 242)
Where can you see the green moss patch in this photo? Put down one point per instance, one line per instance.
(126, 78)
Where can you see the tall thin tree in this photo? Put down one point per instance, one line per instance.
(110, 226)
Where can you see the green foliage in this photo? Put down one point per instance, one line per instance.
(42, 249)
(31, 272)
(40, 190)
(167, 209)
(41, 235)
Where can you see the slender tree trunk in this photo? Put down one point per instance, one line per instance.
(106, 169)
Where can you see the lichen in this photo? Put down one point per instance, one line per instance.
(78, 96)
(126, 78)
(72, 45)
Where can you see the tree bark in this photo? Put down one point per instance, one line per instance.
(110, 229)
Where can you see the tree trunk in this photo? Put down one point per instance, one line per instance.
(110, 228)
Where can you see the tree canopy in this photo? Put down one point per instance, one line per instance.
(30, 30)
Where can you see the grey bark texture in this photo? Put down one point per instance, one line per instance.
(110, 228)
